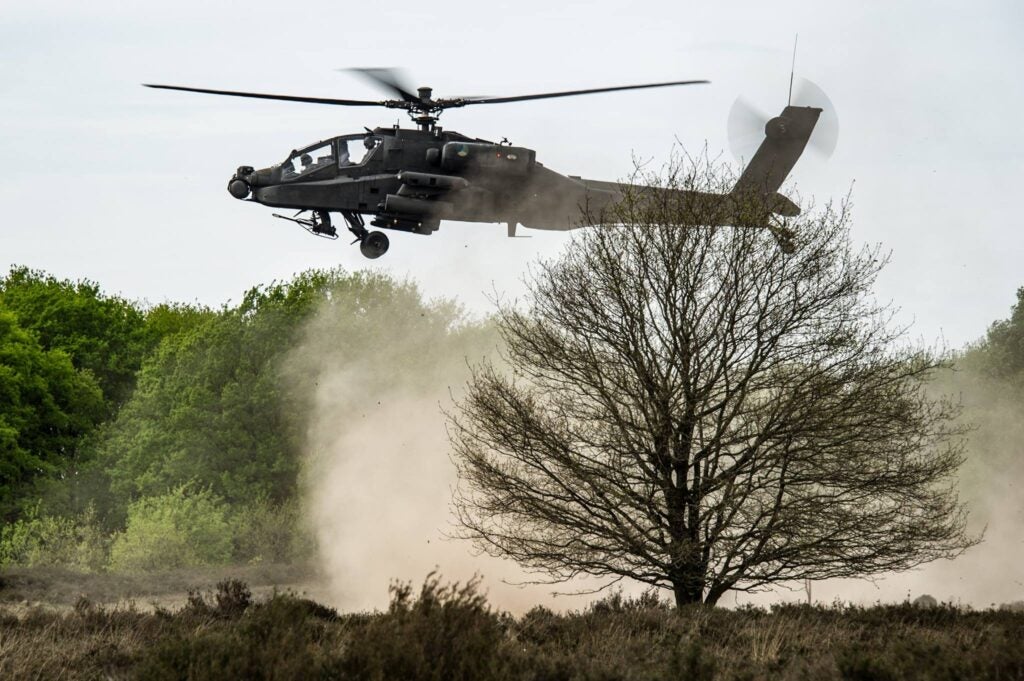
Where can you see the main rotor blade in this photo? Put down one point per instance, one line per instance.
(283, 98)
(571, 93)
(389, 79)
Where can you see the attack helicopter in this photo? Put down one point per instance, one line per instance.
(409, 179)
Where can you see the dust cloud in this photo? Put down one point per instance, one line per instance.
(378, 476)
(991, 483)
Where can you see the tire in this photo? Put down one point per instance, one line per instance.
(374, 245)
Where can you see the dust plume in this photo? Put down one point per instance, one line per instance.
(990, 482)
(377, 372)
(378, 477)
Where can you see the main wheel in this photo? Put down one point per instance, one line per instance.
(374, 245)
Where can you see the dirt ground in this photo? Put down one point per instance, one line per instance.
(60, 589)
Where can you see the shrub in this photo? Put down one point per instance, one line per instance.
(265, 531)
(230, 600)
(282, 638)
(179, 529)
(46, 540)
(448, 632)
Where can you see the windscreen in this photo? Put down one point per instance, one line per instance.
(308, 160)
(354, 151)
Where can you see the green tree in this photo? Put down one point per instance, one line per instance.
(169, 319)
(100, 333)
(212, 407)
(1001, 353)
(46, 406)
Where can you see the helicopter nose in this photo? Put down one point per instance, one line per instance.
(238, 188)
(241, 182)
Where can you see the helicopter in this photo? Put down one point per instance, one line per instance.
(409, 179)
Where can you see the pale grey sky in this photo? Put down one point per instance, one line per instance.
(107, 180)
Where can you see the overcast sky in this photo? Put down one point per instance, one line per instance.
(107, 180)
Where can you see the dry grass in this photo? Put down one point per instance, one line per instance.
(450, 633)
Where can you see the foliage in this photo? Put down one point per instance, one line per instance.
(169, 319)
(215, 399)
(213, 404)
(206, 409)
(231, 598)
(103, 334)
(46, 406)
(700, 410)
(264, 531)
(179, 529)
(75, 360)
(449, 632)
(36, 540)
(1002, 352)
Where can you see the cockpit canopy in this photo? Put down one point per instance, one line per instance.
(346, 150)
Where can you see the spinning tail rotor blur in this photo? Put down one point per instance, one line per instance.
(747, 121)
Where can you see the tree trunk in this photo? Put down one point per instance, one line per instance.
(688, 587)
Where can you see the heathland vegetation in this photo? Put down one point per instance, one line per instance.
(139, 438)
(449, 632)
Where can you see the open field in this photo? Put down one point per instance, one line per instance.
(449, 632)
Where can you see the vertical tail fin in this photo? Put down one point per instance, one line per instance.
(785, 139)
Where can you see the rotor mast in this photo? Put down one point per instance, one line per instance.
(423, 109)
(424, 119)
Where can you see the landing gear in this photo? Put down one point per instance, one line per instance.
(371, 244)
(785, 237)
(374, 245)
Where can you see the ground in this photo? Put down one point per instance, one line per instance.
(449, 632)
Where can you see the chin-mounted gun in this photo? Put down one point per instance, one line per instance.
(318, 225)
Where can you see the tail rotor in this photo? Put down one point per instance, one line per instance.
(747, 123)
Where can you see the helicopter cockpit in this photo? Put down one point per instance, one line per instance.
(347, 150)
(307, 160)
(353, 150)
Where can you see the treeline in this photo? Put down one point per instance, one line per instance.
(140, 437)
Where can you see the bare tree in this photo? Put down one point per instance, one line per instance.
(694, 409)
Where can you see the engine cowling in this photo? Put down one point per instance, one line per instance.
(496, 158)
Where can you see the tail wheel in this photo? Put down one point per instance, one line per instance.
(374, 245)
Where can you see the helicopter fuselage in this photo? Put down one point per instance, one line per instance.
(409, 180)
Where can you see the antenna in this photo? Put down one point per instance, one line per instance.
(792, 69)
